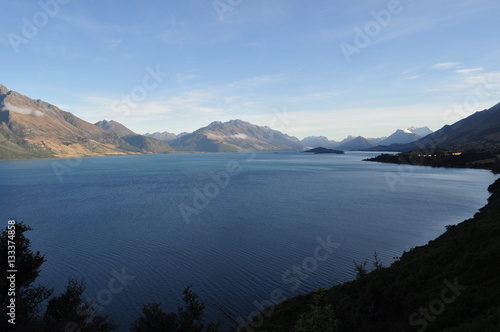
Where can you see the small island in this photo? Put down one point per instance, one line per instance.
(320, 150)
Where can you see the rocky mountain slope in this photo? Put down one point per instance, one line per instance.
(35, 129)
(235, 136)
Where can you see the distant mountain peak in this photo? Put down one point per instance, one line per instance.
(114, 127)
(316, 137)
(234, 136)
(3, 90)
(420, 131)
(358, 143)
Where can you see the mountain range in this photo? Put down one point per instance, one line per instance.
(401, 136)
(36, 129)
(479, 131)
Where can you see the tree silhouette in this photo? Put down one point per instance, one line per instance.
(187, 319)
(63, 312)
(28, 297)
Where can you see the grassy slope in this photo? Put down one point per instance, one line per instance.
(386, 298)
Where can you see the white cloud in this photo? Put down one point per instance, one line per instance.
(21, 110)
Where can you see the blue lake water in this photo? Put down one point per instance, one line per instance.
(242, 228)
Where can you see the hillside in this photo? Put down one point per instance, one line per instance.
(148, 144)
(235, 136)
(36, 129)
(450, 285)
(142, 142)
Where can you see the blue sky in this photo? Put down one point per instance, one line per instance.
(332, 68)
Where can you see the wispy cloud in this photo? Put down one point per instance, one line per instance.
(446, 65)
(258, 81)
(185, 77)
(92, 26)
(114, 43)
(468, 71)
(186, 104)
(20, 110)
(414, 77)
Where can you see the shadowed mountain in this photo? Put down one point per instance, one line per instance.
(356, 144)
(35, 129)
(235, 136)
(479, 131)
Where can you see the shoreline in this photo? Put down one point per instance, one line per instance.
(469, 160)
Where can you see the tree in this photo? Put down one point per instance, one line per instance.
(187, 319)
(68, 312)
(154, 319)
(63, 312)
(320, 317)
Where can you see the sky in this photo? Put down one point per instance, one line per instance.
(331, 68)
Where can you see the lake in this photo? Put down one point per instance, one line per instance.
(244, 229)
